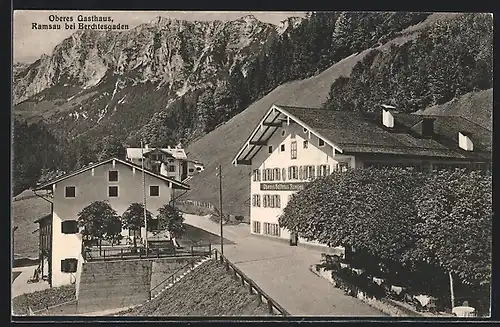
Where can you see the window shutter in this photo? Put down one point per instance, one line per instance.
(289, 172)
(313, 172)
(328, 169)
(319, 171)
(69, 265)
(69, 227)
(278, 201)
(278, 174)
(301, 173)
(258, 175)
(283, 174)
(264, 175)
(253, 200)
(265, 201)
(258, 200)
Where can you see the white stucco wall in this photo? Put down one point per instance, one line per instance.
(92, 185)
(313, 155)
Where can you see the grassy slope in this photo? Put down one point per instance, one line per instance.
(24, 213)
(42, 299)
(207, 291)
(221, 145)
(475, 106)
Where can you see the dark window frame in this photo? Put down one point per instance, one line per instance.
(113, 187)
(66, 192)
(109, 176)
(151, 188)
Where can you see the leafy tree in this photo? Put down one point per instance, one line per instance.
(455, 229)
(110, 147)
(171, 220)
(99, 221)
(133, 218)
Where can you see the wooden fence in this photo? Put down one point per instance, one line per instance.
(197, 203)
(272, 306)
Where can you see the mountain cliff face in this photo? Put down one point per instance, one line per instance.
(95, 79)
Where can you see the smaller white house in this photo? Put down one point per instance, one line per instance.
(118, 182)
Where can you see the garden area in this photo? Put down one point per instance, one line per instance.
(420, 240)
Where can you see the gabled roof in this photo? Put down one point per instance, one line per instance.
(357, 133)
(175, 184)
(136, 153)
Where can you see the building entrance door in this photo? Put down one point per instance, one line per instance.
(294, 238)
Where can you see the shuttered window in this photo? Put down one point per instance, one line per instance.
(69, 227)
(293, 150)
(283, 174)
(69, 265)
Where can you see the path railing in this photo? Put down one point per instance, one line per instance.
(272, 306)
(171, 277)
(129, 253)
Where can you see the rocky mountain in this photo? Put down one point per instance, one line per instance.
(94, 79)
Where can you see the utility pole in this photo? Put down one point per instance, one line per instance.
(144, 198)
(220, 206)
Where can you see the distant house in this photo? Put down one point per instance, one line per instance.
(116, 181)
(290, 146)
(170, 161)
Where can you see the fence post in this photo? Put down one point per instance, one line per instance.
(121, 253)
(209, 247)
(250, 288)
(191, 250)
(216, 255)
(104, 253)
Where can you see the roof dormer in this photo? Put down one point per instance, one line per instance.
(465, 142)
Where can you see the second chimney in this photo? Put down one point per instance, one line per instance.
(387, 118)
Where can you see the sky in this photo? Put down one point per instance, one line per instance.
(29, 44)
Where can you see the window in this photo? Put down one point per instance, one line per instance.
(271, 201)
(256, 200)
(270, 149)
(256, 227)
(277, 201)
(323, 170)
(283, 174)
(277, 174)
(272, 229)
(113, 176)
(113, 191)
(270, 173)
(69, 265)
(282, 148)
(301, 173)
(198, 168)
(69, 227)
(305, 130)
(342, 166)
(293, 172)
(283, 133)
(311, 172)
(293, 150)
(154, 190)
(191, 170)
(256, 175)
(171, 168)
(305, 144)
(321, 142)
(70, 191)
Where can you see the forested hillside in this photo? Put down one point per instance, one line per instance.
(448, 59)
(220, 146)
(130, 108)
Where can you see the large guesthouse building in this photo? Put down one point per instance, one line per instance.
(290, 146)
(118, 182)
